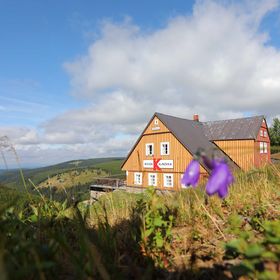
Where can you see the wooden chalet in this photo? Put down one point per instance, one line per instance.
(167, 145)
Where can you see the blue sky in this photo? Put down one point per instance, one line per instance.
(37, 37)
(58, 86)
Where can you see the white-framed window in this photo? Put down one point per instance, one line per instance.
(156, 121)
(152, 179)
(168, 180)
(149, 149)
(261, 132)
(265, 133)
(265, 147)
(261, 147)
(138, 178)
(164, 148)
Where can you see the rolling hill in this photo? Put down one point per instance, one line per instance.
(276, 156)
(110, 167)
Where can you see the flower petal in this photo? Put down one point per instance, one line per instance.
(191, 175)
(223, 191)
(218, 179)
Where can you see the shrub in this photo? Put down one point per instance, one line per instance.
(260, 259)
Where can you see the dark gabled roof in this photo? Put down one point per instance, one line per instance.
(243, 128)
(188, 132)
(191, 135)
(195, 135)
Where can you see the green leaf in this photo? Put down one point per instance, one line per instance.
(273, 239)
(253, 251)
(35, 210)
(20, 215)
(158, 221)
(159, 241)
(33, 218)
(267, 255)
(268, 275)
(242, 269)
(237, 245)
(64, 204)
(148, 232)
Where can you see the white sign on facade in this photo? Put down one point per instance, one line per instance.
(165, 163)
(162, 164)
(148, 163)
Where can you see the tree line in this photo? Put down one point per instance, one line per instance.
(274, 132)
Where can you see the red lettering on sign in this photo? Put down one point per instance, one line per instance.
(156, 161)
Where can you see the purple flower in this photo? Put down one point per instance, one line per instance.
(219, 180)
(191, 175)
(209, 163)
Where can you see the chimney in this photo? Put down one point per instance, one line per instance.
(196, 117)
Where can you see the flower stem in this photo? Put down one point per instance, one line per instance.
(209, 215)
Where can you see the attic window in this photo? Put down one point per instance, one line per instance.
(261, 132)
(164, 148)
(156, 122)
(149, 149)
(265, 133)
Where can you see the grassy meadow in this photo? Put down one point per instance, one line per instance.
(275, 149)
(108, 167)
(73, 176)
(276, 156)
(182, 235)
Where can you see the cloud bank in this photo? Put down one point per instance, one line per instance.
(215, 62)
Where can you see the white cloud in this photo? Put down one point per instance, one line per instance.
(20, 135)
(214, 59)
(214, 62)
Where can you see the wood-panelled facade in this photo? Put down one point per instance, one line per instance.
(157, 133)
(251, 153)
(242, 152)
